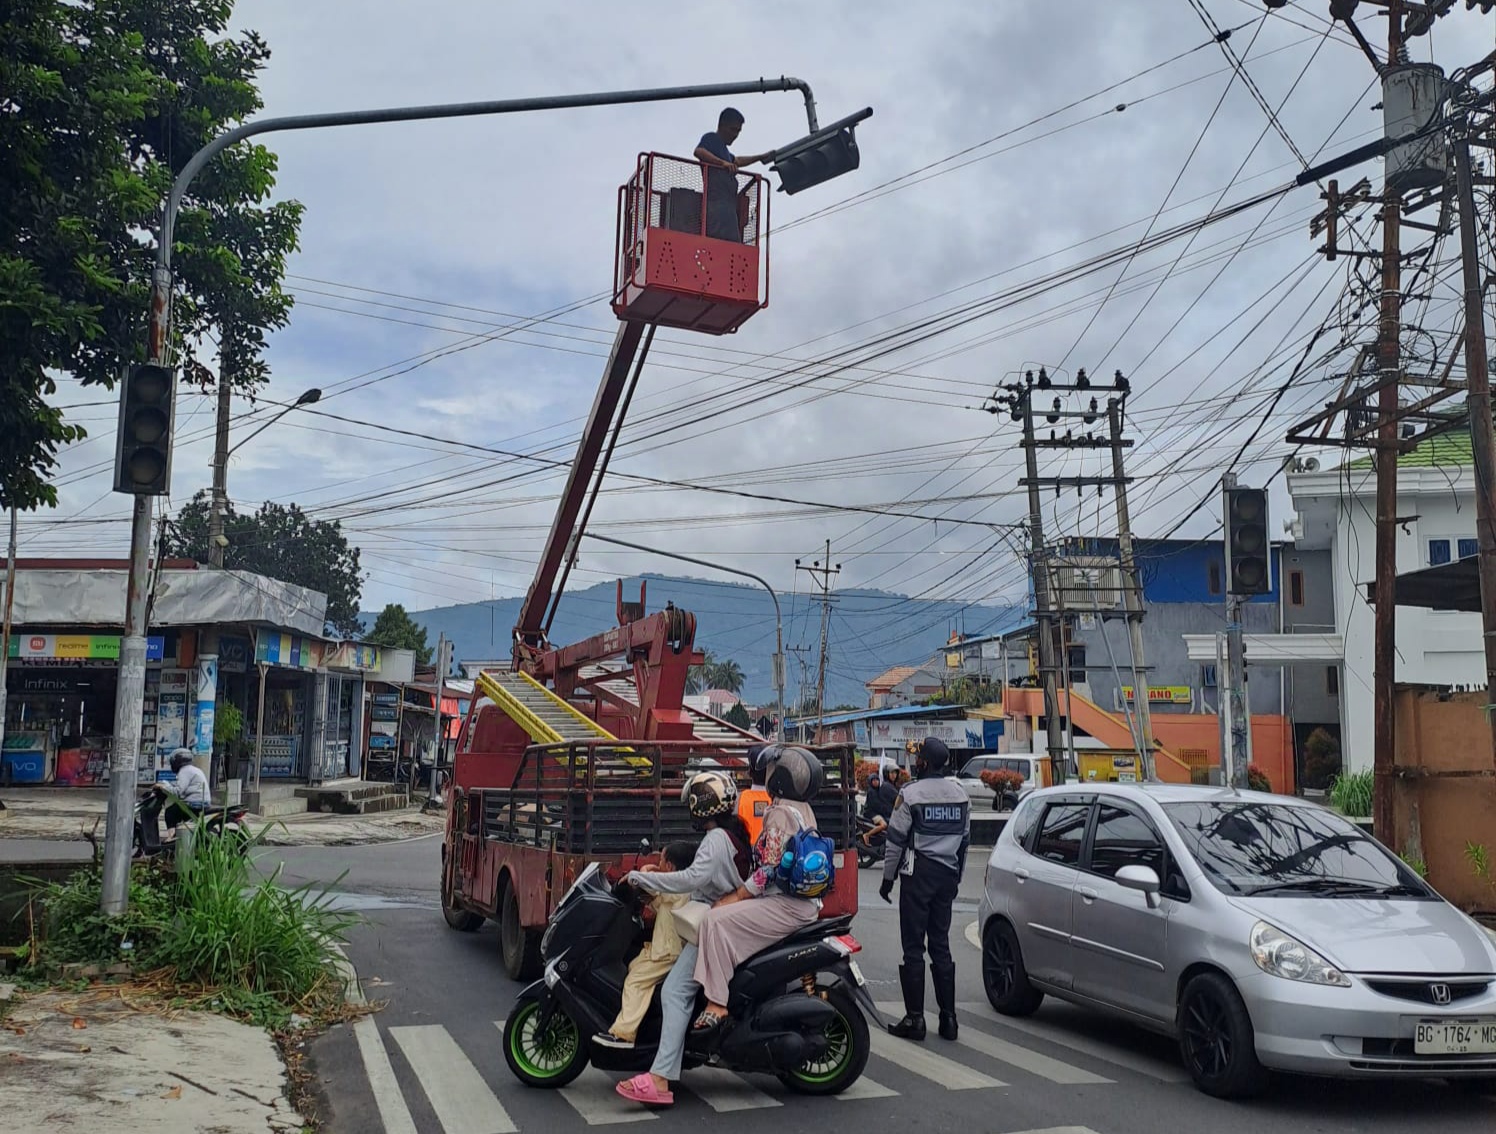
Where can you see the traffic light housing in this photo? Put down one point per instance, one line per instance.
(829, 152)
(1248, 551)
(142, 456)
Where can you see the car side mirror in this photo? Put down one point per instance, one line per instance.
(1143, 879)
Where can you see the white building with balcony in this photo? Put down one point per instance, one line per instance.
(1336, 509)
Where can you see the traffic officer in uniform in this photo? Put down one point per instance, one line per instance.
(927, 841)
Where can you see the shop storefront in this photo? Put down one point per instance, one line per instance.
(60, 706)
(219, 640)
(312, 690)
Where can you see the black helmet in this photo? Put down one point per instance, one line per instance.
(933, 754)
(792, 772)
(756, 763)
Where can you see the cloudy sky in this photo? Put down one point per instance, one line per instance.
(1010, 142)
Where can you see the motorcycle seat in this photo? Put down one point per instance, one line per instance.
(821, 929)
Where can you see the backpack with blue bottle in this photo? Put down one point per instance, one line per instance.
(807, 864)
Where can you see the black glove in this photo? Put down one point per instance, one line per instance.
(885, 891)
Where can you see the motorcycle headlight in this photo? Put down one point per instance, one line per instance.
(1279, 955)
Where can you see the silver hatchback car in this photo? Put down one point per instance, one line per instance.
(1261, 931)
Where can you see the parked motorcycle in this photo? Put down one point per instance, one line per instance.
(795, 1010)
(217, 822)
(871, 838)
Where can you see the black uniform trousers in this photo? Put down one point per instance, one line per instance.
(925, 899)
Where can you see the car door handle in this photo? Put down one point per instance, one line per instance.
(1087, 893)
(1021, 874)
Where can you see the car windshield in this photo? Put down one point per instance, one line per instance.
(1281, 850)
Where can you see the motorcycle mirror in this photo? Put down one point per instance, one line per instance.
(644, 844)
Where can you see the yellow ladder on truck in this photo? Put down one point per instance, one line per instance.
(547, 718)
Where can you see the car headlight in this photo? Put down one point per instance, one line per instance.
(1279, 955)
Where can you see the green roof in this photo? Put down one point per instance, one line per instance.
(1452, 449)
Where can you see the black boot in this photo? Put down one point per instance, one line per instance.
(912, 1026)
(944, 977)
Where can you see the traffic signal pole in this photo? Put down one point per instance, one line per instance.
(1236, 723)
(130, 698)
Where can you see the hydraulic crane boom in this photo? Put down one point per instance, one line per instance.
(530, 627)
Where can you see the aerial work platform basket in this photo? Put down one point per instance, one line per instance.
(692, 246)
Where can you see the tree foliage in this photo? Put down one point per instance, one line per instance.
(738, 715)
(396, 629)
(970, 691)
(283, 542)
(102, 102)
(698, 676)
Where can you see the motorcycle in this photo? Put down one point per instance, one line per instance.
(795, 1010)
(217, 822)
(871, 838)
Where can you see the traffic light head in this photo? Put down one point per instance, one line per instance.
(1248, 554)
(142, 458)
(816, 158)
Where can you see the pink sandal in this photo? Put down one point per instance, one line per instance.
(641, 1089)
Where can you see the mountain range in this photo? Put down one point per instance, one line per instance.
(868, 630)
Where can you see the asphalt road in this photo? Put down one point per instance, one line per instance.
(433, 1052)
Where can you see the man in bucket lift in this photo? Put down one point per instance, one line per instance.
(722, 222)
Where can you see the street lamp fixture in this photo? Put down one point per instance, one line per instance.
(308, 397)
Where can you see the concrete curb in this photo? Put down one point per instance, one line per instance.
(352, 990)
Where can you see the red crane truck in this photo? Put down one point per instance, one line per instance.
(577, 754)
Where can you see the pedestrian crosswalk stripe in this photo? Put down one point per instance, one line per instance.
(913, 1057)
(393, 1113)
(866, 1088)
(453, 1086)
(725, 1092)
(595, 1097)
(1158, 1069)
(1026, 1059)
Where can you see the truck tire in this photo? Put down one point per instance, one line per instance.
(464, 921)
(521, 946)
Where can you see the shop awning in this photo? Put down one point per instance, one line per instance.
(1449, 586)
(82, 596)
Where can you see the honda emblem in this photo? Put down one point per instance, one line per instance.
(1440, 993)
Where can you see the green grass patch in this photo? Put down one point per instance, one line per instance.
(1351, 794)
(213, 930)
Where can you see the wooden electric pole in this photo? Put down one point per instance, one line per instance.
(1478, 380)
(822, 574)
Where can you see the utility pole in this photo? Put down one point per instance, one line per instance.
(1478, 379)
(220, 502)
(822, 576)
(1389, 365)
(1022, 403)
(10, 594)
(1050, 608)
(1412, 98)
(1235, 721)
(441, 733)
(1132, 589)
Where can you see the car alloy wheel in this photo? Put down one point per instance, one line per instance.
(1216, 1039)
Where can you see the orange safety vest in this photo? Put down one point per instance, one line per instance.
(751, 807)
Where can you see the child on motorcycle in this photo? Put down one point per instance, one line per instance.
(656, 958)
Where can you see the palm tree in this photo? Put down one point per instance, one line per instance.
(699, 677)
(726, 675)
